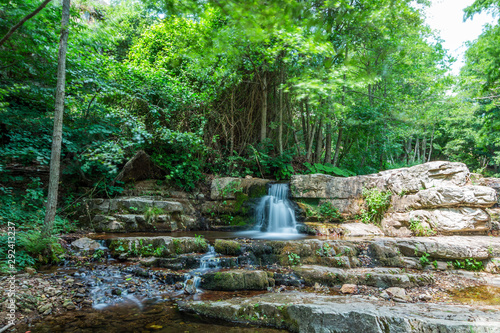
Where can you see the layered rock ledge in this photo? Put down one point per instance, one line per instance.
(303, 312)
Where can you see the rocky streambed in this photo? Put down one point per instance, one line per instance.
(329, 286)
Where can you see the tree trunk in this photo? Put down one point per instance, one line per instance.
(280, 129)
(309, 148)
(319, 142)
(305, 134)
(55, 157)
(263, 128)
(26, 18)
(328, 144)
(430, 148)
(337, 146)
(232, 124)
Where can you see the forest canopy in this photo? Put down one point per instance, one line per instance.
(234, 88)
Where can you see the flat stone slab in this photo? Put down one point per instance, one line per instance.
(376, 277)
(306, 312)
(361, 230)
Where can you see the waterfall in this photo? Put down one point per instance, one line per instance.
(275, 213)
(208, 262)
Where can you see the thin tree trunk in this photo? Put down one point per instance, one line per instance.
(263, 124)
(319, 142)
(305, 134)
(309, 148)
(430, 148)
(424, 148)
(337, 146)
(328, 144)
(280, 133)
(232, 124)
(55, 158)
(26, 18)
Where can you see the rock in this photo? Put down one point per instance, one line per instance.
(163, 246)
(304, 312)
(190, 287)
(139, 167)
(236, 280)
(30, 270)
(227, 247)
(449, 196)
(376, 277)
(349, 289)
(423, 176)
(227, 187)
(45, 307)
(425, 297)
(443, 220)
(85, 244)
(360, 230)
(68, 304)
(447, 247)
(398, 294)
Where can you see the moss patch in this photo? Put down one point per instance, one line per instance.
(227, 247)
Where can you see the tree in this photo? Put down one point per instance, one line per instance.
(23, 20)
(55, 158)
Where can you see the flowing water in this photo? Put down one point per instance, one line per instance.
(208, 262)
(275, 216)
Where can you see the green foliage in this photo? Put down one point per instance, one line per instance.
(200, 241)
(328, 169)
(419, 229)
(151, 214)
(325, 251)
(180, 154)
(424, 259)
(376, 203)
(469, 264)
(328, 211)
(294, 259)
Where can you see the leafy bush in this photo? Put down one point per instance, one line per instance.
(180, 154)
(419, 229)
(376, 202)
(328, 169)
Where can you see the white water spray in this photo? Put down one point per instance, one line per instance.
(275, 215)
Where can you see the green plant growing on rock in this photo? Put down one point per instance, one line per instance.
(424, 259)
(469, 264)
(294, 259)
(325, 251)
(419, 229)
(328, 211)
(377, 202)
(151, 214)
(200, 240)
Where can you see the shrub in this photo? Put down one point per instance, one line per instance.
(377, 202)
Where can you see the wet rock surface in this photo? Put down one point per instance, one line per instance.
(302, 312)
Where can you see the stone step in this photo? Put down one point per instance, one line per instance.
(134, 205)
(375, 277)
(160, 246)
(139, 223)
(307, 312)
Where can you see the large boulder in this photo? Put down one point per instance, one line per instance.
(460, 220)
(139, 167)
(405, 180)
(227, 187)
(449, 196)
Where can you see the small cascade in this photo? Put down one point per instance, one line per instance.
(209, 261)
(275, 215)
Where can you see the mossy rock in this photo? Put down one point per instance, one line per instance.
(236, 280)
(227, 247)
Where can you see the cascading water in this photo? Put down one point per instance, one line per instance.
(275, 215)
(208, 262)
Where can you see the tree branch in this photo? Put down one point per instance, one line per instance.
(26, 18)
